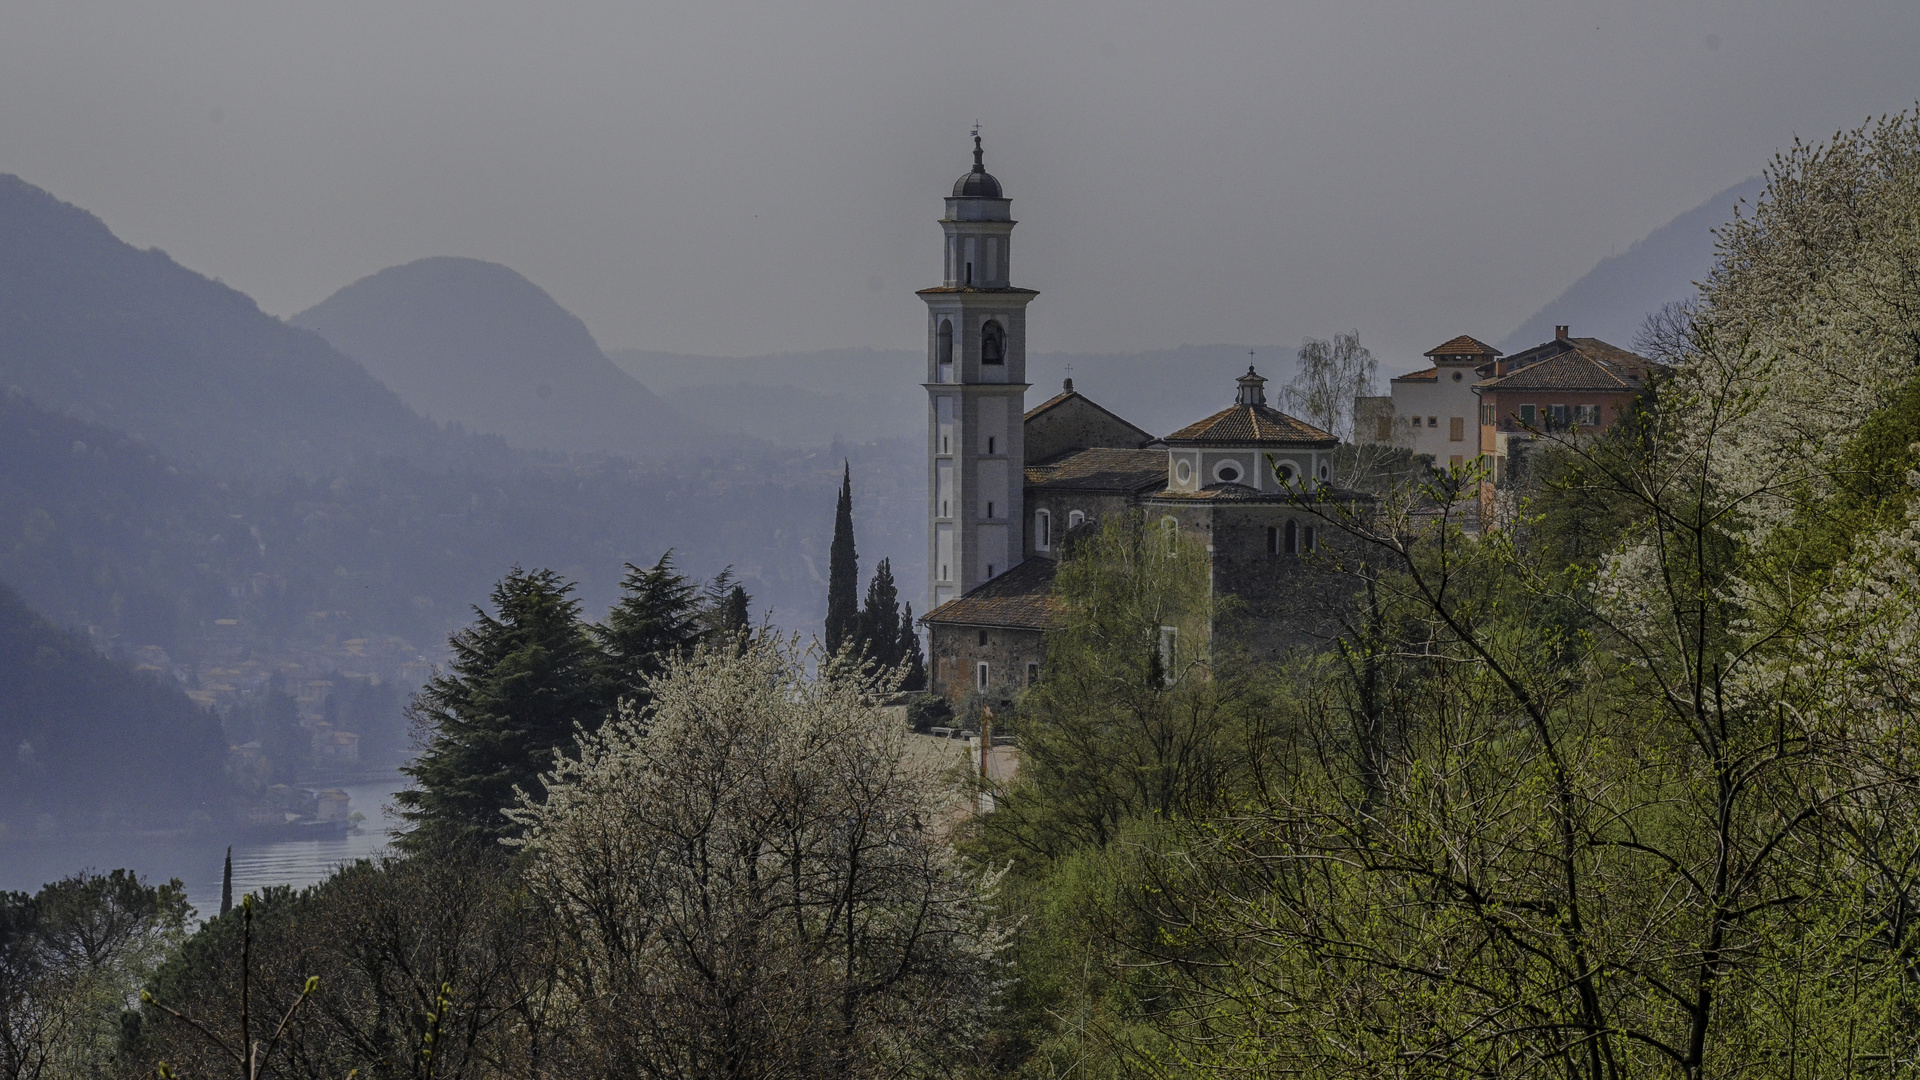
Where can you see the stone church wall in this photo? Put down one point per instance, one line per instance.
(956, 650)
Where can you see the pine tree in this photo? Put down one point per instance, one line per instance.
(843, 572)
(912, 658)
(521, 679)
(879, 634)
(658, 616)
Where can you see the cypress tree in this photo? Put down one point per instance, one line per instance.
(657, 616)
(879, 636)
(914, 660)
(521, 678)
(843, 571)
(226, 885)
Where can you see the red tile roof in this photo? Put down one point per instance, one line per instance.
(1251, 425)
(1464, 346)
(1101, 469)
(1431, 374)
(1020, 599)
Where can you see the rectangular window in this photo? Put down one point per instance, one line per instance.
(1033, 674)
(1416, 421)
(1307, 540)
(1526, 416)
(1042, 531)
(1558, 418)
(1433, 422)
(980, 676)
(991, 443)
(1169, 646)
(1273, 540)
(989, 507)
(1455, 460)
(1457, 429)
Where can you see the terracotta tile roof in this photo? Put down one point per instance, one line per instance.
(1431, 374)
(1251, 425)
(1464, 346)
(1574, 364)
(1100, 469)
(1070, 394)
(1020, 599)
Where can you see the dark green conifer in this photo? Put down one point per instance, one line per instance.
(879, 636)
(658, 616)
(843, 572)
(521, 678)
(226, 885)
(912, 658)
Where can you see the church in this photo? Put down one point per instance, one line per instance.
(1006, 484)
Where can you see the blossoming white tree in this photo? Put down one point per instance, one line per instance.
(757, 880)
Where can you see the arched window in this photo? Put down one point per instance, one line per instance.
(1309, 538)
(1043, 531)
(1074, 519)
(993, 344)
(1293, 537)
(1172, 528)
(943, 343)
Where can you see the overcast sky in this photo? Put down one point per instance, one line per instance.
(734, 178)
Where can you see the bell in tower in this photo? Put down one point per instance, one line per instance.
(976, 391)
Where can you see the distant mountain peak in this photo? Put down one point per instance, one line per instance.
(477, 342)
(1613, 299)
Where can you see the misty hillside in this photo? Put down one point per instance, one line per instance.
(475, 342)
(1613, 299)
(91, 742)
(130, 339)
(806, 399)
(100, 531)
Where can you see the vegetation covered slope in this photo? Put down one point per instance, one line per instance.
(91, 742)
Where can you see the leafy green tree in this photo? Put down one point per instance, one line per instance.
(523, 679)
(843, 572)
(71, 958)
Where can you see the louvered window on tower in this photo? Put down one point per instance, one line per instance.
(993, 344)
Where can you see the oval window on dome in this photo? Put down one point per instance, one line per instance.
(1228, 474)
(1182, 471)
(1285, 472)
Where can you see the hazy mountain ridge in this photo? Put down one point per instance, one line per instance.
(475, 342)
(1612, 300)
(800, 399)
(91, 326)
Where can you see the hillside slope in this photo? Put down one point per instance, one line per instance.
(472, 341)
(91, 742)
(1613, 299)
(130, 339)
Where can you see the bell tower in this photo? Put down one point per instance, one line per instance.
(976, 393)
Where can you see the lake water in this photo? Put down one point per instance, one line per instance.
(196, 861)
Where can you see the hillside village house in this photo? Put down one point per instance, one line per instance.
(1475, 402)
(1007, 485)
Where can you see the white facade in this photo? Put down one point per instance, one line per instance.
(1438, 416)
(976, 390)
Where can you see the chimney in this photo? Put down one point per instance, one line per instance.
(1499, 367)
(1560, 333)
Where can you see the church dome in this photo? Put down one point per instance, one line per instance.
(978, 184)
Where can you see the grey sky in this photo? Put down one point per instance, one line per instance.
(738, 178)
